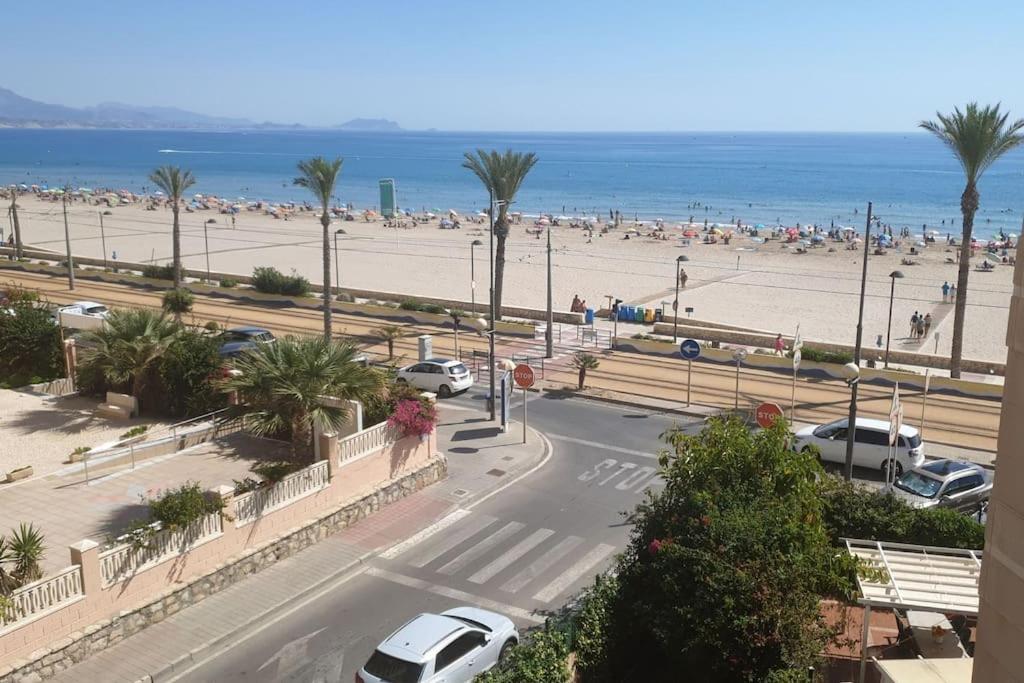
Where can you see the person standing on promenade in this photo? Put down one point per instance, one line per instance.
(780, 346)
(952, 291)
(945, 292)
(683, 277)
(913, 324)
(927, 323)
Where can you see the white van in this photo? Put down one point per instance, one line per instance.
(870, 446)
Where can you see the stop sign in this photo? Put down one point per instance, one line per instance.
(767, 413)
(523, 375)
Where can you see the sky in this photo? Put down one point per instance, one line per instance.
(553, 65)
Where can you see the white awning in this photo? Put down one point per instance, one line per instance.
(919, 577)
(925, 670)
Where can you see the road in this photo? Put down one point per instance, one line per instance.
(522, 552)
(952, 420)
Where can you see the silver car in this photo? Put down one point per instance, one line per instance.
(451, 647)
(962, 486)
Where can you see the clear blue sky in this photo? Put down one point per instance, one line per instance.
(527, 65)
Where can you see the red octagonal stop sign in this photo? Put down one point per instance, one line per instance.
(523, 375)
(767, 413)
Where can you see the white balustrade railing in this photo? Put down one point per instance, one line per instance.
(250, 506)
(125, 559)
(363, 442)
(42, 595)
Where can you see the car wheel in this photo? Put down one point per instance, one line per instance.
(444, 391)
(506, 649)
(400, 380)
(885, 469)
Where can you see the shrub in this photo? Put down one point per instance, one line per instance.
(158, 272)
(228, 283)
(379, 407)
(272, 281)
(541, 659)
(413, 418)
(593, 627)
(273, 472)
(177, 508)
(188, 372)
(211, 326)
(410, 305)
(134, 431)
(30, 345)
(178, 301)
(433, 308)
(819, 356)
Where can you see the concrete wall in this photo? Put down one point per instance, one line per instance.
(107, 614)
(999, 655)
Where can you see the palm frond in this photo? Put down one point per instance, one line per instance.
(319, 176)
(977, 136)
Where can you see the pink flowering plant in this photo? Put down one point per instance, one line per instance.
(413, 417)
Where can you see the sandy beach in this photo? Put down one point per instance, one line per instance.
(763, 286)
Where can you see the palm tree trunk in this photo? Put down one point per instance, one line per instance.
(391, 349)
(499, 270)
(176, 246)
(17, 226)
(968, 206)
(583, 376)
(325, 221)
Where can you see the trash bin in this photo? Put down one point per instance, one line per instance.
(658, 316)
(588, 317)
(639, 314)
(649, 315)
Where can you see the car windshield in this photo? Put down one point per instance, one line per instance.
(918, 484)
(97, 309)
(825, 430)
(393, 669)
(471, 622)
(458, 369)
(914, 441)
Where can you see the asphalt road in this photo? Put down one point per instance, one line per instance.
(523, 552)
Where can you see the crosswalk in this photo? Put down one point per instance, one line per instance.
(505, 556)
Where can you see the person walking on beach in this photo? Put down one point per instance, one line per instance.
(575, 307)
(683, 277)
(920, 328)
(945, 292)
(927, 323)
(913, 324)
(952, 292)
(780, 346)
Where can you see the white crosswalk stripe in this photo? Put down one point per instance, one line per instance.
(517, 551)
(480, 548)
(574, 573)
(541, 564)
(471, 528)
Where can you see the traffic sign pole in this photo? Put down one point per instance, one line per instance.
(524, 414)
(524, 377)
(689, 350)
(689, 382)
(798, 344)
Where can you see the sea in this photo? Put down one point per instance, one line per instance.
(770, 178)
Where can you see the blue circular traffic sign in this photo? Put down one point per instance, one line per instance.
(689, 349)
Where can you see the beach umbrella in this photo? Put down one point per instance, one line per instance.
(453, 212)
(817, 238)
(690, 233)
(759, 226)
(1012, 235)
(716, 231)
(921, 244)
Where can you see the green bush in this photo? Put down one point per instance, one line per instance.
(593, 626)
(30, 345)
(379, 407)
(433, 308)
(158, 272)
(177, 508)
(818, 356)
(272, 281)
(273, 472)
(134, 431)
(228, 283)
(178, 301)
(188, 372)
(542, 658)
(410, 305)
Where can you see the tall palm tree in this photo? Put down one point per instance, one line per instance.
(389, 333)
(126, 350)
(318, 175)
(977, 137)
(282, 386)
(174, 182)
(178, 302)
(501, 174)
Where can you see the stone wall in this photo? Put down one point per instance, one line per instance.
(46, 662)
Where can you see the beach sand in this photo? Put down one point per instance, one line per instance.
(757, 286)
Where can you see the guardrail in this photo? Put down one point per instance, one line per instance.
(251, 506)
(363, 442)
(40, 596)
(123, 560)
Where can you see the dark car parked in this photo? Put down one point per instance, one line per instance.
(963, 486)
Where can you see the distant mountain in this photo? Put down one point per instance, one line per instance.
(376, 125)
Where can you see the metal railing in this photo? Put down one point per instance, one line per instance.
(127, 558)
(42, 595)
(250, 506)
(593, 336)
(363, 442)
(535, 362)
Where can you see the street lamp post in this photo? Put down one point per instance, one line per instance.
(550, 335)
(851, 425)
(67, 240)
(103, 242)
(337, 266)
(206, 241)
(892, 293)
(675, 304)
(472, 272)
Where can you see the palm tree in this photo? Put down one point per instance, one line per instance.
(283, 385)
(977, 137)
(174, 181)
(26, 548)
(501, 174)
(177, 302)
(583, 361)
(389, 333)
(126, 350)
(319, 176)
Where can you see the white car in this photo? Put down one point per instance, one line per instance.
(453, 647)
(89, 308)
(870, 446)
(441, 376)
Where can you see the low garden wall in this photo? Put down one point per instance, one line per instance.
(106, 595)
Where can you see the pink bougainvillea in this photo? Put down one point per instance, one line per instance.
(413, 418)
(654, 546)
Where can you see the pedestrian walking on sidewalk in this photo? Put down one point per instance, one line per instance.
(927, 323)
(945, 292)
(952, 292)
(913, 324)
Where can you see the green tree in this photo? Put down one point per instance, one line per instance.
(30, 345)
(125, 352)
(318, 175)
(583, 361)
(977, 137)
(283, 386)
(727, 564)
(502, 175)
(189, 372)
(174, 182)
(389, 333)
(177, 302)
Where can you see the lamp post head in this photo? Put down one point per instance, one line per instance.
(681, 258)
(896, 274)
(339, 231)
(476, 243)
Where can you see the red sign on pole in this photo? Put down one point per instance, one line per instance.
(523, 375)
(767, 413)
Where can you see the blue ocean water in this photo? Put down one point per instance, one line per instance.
(756, 177)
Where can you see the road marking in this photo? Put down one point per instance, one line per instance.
(524, 546)
(480, 548)
(454, 594)
(292, 655)
(472, 527)
(602, 446)
(547, 456)
(541, 564)
(423, 534)
(571, 575)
